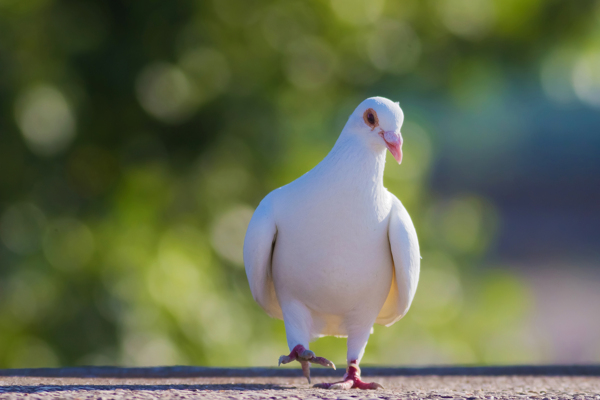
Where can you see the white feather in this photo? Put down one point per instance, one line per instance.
(258, 246)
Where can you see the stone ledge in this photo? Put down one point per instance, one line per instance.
(432, 383)
(188, 371)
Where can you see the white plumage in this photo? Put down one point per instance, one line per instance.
(334, 252)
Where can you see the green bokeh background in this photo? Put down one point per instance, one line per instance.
(136, 138)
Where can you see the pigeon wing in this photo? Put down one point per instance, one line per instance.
(258, 249)
(407, 260)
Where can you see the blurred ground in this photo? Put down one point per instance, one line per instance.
(284, 387)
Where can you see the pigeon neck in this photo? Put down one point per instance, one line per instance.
(356, 160)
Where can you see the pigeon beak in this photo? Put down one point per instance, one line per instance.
(393, 141)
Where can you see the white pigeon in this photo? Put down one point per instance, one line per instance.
(333, 252)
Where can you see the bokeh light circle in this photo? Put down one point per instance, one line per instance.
(45, 119)
(358, 12)
(166, 93)
(394, 47)
(586, 79)
(470, 19)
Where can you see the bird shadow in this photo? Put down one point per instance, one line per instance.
(208, 387)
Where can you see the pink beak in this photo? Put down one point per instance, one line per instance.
(393, 141)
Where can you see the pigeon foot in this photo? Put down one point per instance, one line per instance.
(305, 357)
(351, 380)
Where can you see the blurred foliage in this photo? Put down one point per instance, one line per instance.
(136, 137)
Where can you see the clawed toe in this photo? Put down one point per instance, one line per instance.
(323, 385)
(305, 357)
(344, 385)
(341, 385)
(323, 361)
(285, 360)
(349, 384)
(351, 380)
(302, 354)
(309, 356)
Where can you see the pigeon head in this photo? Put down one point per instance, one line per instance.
(377, 121)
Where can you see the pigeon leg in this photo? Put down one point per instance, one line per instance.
(306, 370)
(357, 341)
(305, 357)
(298, 320)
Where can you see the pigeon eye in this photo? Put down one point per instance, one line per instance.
(370, 118)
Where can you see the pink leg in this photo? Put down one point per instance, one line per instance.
(305, 357)
(351, 380)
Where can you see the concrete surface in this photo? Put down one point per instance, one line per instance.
(491, 383)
